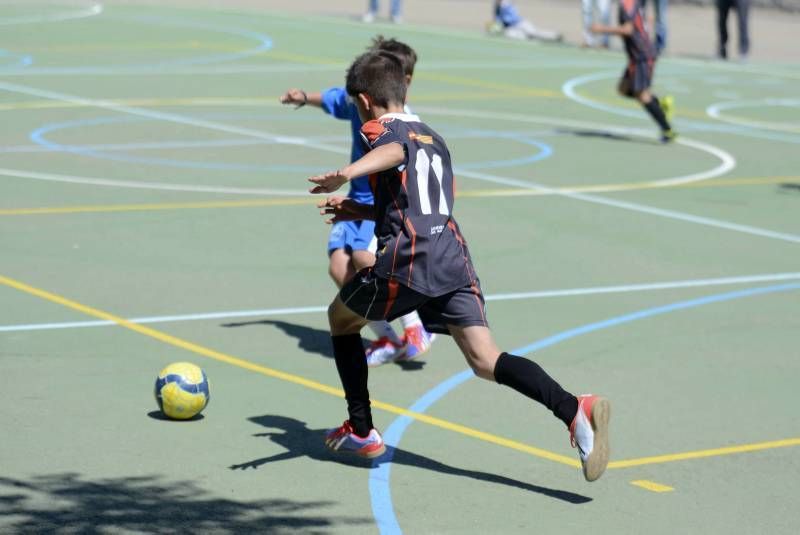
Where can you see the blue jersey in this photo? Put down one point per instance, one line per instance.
(337, 103)
(507, 14)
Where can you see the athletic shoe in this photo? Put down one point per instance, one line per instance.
(397, 19)
(667, 106)
(668, 136)
(589, 433)
(417, 341)
(382, 351)
(368, 17)
(344, 439)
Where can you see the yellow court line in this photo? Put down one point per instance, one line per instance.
(651, 485)
(431, 420)
(289, 201)
(700, 454)
(247, 365)
(507, 88)
(146, 207)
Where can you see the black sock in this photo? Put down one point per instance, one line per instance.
(654, 109)
(351, 362)
(528, 378)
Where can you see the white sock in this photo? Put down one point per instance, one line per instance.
(410, 320)
(384, 329)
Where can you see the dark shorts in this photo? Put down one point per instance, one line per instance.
(637, 77)
(375, 298)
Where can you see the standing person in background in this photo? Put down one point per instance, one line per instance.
(604, 15)
(510, 23)
(742, 13)
(660, 7)
(395, 11)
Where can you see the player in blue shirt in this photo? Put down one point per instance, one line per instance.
(351, 245)
(510, 23)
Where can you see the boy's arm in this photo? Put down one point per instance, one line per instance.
(378, 159)
(345, 209)
(300, 98)
(624, 30)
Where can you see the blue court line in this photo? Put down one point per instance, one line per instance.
(264, 44)
(37, 136)
(22, 60)
(379, 489)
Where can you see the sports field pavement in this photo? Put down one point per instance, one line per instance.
(153, 210)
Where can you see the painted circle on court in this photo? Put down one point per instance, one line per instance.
(719, 111)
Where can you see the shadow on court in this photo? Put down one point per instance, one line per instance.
(67, 503)
(604, 134)
(300, 441)
(313, 340)
(309, 339)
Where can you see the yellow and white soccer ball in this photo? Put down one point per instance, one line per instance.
(182, 390)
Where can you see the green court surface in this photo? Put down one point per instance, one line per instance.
(153, 209)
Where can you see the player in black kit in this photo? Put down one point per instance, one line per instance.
(423, 264)
(638, 74)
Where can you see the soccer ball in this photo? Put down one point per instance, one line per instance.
(182, 390)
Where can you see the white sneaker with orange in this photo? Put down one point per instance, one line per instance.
(589, 433)
(417, 340)
(383, 350)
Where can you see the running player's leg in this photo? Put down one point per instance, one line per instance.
(365, 297)
(357, 434)
(641, 79)
(388, 346)
(624, 87)
(586, 417)
(339, 265)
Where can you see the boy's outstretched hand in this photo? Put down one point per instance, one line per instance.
(294, 96)
(328, 182)
(344, 209)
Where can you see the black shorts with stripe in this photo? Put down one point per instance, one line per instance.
(637, 77)
(375, 298)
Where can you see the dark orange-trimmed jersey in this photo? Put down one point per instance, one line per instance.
(638, 45)
(419, 242)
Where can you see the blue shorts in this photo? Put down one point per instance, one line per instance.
(351, 236)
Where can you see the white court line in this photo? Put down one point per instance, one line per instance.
(569, 90)
(694, 283)
(715, 109)
(671, 214)
(161, 186)
(635, 207)
(337, 67)
(91, 11)
(169, 117)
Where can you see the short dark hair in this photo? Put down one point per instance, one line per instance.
(379, 75)
(404, 53)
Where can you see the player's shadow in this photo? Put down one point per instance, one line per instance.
(317, 341)
(789, 187)
(300, 441)
(309, 339)
(605, 134)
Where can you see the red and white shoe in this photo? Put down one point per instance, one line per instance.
(589, 433)
(344, 439)
(382, 351)
(417, 340)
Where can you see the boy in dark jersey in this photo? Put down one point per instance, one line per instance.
(351, 245)
(423, 264)
(638, 75)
